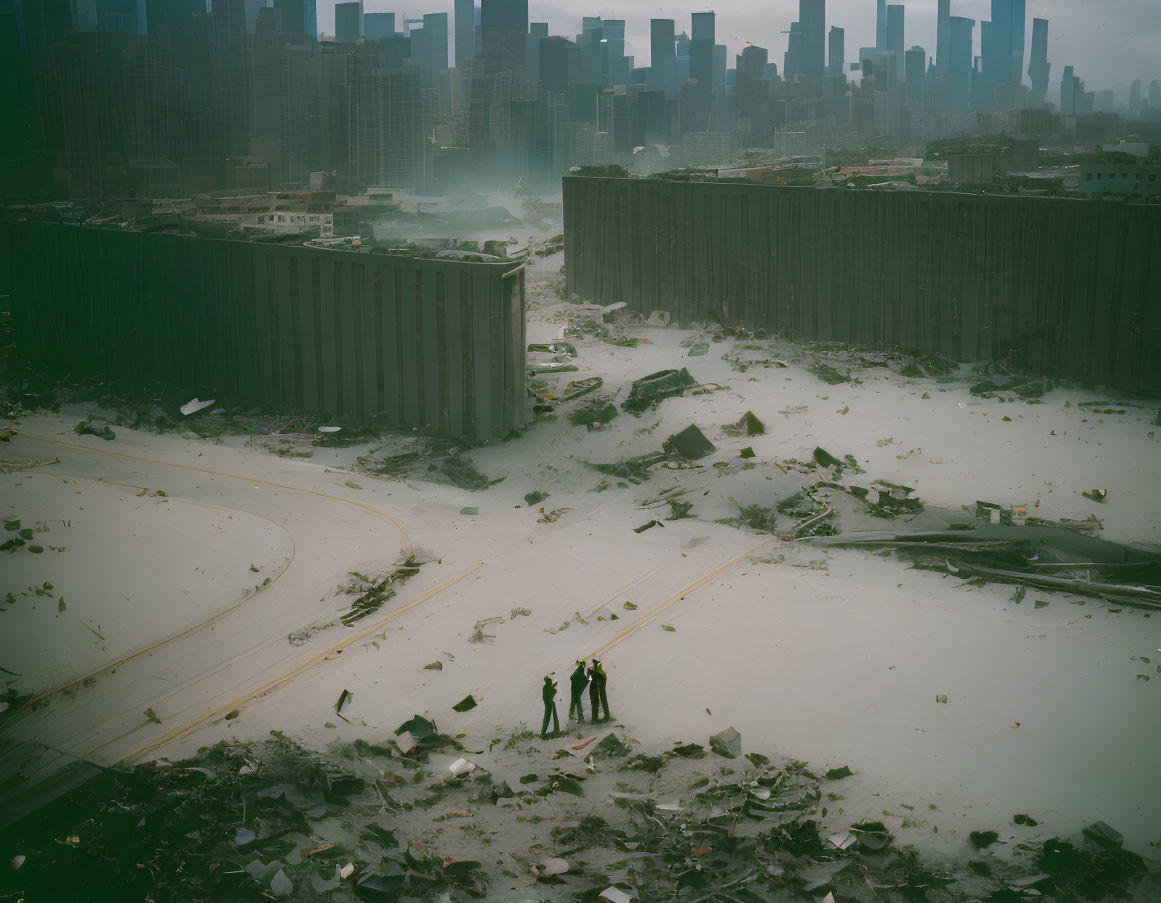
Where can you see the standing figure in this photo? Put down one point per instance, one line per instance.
(597, 697)
(578, 681)
(548, 693)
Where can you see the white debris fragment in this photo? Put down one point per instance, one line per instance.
(329, 429)
(193, 406)
(461, 766)
(347, 870)
(615, 895)
(843, 840)
(554, 866)
(17, 861)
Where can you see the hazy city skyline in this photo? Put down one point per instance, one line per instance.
(1110, 43)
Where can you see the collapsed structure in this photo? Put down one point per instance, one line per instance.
(406, 341)
(1058, 287)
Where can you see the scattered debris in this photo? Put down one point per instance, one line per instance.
(466, 704)
(644, 527)
(982, 839)
(690, 444)
(651, 390)
(1097, 495)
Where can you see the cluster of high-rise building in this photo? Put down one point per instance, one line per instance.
(245, 94)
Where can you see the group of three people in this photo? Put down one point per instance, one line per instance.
(594, 678)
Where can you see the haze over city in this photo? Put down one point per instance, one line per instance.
(532, 453)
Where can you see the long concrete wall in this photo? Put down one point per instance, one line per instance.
(1074, 287)
(424, 343)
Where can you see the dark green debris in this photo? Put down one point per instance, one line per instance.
(246, 822)
(632, 470)
(837, 774)
(747, 425)
(466, 704)
(982, 839)
(651, 390)
(828, 374)
(644, 527)
(599, 411)
(100, 429)
(746, 452)
(690, 444)
(372, 594)
(459, 472)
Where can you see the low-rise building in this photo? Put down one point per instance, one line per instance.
(1121, 178)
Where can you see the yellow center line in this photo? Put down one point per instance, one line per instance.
(198, 626)
(620, 593)
(669, 603)
(288, 675)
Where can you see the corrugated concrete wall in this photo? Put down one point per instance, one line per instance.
(427, 343)
(1073, 286)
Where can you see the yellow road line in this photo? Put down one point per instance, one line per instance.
(620, 593)
(228, 476)
(669, 603)
(283, 678)
(188, 630)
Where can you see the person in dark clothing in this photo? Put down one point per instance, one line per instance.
(548, 693)
(578, 681)
(597, 697)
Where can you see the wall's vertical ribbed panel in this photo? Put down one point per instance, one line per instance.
(356, 335)
(1063, 287)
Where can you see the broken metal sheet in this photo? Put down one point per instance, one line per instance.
(690, 444)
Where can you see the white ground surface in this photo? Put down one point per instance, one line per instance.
(826, 655)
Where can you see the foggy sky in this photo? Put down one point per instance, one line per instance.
(1108, 41)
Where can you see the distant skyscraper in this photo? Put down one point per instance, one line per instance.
(298, 16)
(812, 25)
(661, 41)
(895, 35)
(1039, 68)
(1068, 92)
(881, 24)
(662, 56)
(504, 24)
(465, 30)
(435, 26)
(915, 63)
(942, 36)
(959, 63)
(1135, 98)
(1004, 50)
(348, 22)
(1155, 94)
(792, 62)
(837, 51)
(704, 27)
(378, 25)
